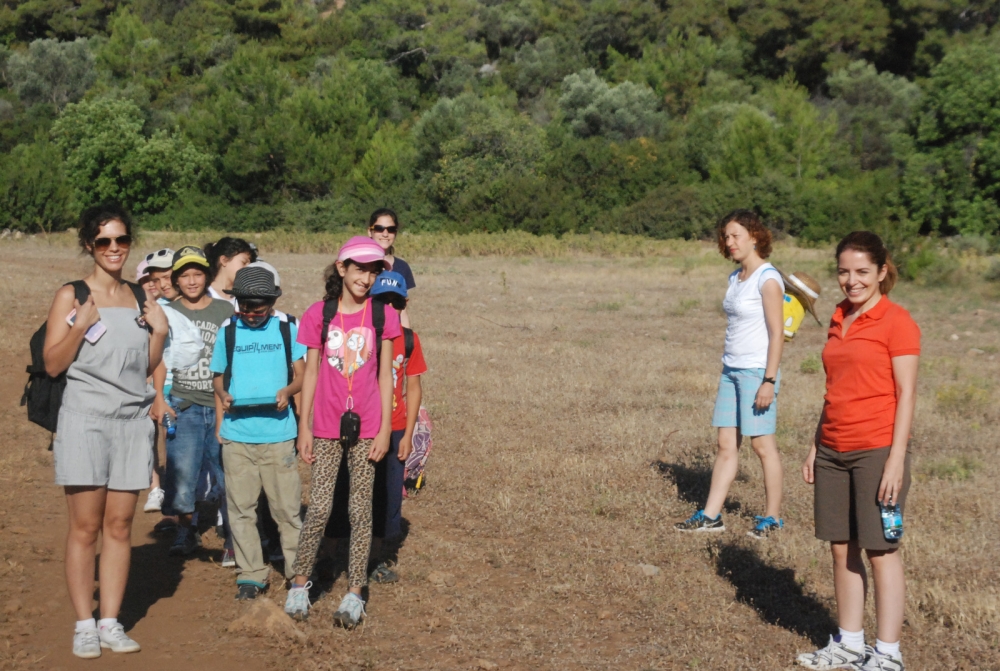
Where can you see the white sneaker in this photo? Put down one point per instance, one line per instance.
(350, 612)
(154, 502)
(835, 655)
(87, 644)
(297, 602)
(115, 639)
(877, 661)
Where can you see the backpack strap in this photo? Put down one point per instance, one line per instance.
(293, 320)
(230, 336)
(139, 293)
(81, 290)
(378, 321)
(286, 339)
(329, 312)
(407, 343)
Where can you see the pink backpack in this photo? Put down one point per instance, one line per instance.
(413, 476)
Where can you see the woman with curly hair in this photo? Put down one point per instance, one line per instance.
(747, 401)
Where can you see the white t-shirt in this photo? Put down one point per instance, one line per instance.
(746, 330)
(214, 293)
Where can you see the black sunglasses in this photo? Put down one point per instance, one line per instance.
(105, 243)
(378, 228)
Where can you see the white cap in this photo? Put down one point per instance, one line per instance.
(268, 267)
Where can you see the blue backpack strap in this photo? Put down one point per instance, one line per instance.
(230, 335)
(286, 340)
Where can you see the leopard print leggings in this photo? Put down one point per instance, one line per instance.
(324, 479)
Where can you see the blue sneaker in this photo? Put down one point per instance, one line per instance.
(701, 522)
(765, 525)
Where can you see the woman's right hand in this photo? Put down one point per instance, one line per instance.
(808, 472)
(304, 444)
(87, 314)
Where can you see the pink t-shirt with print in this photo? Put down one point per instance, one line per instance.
(349, 349)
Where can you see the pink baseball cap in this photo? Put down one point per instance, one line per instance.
(362, 249)
(142, 270)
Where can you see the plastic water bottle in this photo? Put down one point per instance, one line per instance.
(171, 426)
(892, 521)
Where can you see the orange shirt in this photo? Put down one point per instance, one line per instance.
(860, 408)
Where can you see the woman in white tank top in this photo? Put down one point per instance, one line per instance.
(747, 401)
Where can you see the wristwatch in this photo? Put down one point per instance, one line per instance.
(769, 379)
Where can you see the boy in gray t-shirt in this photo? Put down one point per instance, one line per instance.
(192, 400)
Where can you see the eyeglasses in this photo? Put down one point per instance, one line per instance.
(156, 255)
(379, 228)
(101, 244)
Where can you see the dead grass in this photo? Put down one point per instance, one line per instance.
(587, 369)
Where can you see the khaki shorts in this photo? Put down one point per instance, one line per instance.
(846, 504)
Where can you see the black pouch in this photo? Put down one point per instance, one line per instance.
(350, 429)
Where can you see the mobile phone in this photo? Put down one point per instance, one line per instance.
(93, 334)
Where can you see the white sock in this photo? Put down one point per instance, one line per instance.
(891, 649)
(107, 622)
(855, 640)
(86, 625)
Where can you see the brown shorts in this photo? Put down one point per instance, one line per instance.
(846, 504)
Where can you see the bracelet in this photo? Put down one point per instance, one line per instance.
(769, 379)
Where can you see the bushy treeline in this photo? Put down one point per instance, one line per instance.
(548, 116)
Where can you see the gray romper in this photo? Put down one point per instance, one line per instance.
(105, 435)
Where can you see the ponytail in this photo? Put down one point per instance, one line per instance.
(891, 275)
(334, 282)
(872, 245)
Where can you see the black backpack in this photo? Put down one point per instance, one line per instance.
(43, 393)
(378, 321)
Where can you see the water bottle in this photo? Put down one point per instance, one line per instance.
(892, 521)
(169, 424)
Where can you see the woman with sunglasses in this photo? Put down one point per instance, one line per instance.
(103, 450)
(383, 226)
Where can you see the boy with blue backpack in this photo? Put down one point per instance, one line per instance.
(258, 366)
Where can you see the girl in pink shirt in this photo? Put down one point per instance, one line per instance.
(348, 382)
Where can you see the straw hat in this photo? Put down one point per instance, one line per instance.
(805, 289)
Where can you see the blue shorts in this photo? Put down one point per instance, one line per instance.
(734, 402)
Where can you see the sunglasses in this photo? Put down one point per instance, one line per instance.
(157, 255)
(101, 244)
(378, 228)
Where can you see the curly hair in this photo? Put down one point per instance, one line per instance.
(96, 216)
(749, 220)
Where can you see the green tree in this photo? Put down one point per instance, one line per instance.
(52, 71)
(622, 112)
(108, 157)
(34, 193)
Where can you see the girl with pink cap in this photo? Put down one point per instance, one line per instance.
(347, 393)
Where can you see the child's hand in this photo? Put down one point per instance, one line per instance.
(227, 400)
(379, 446)
(304, 444)
(282, 398)
(405, 446)
(161, 408)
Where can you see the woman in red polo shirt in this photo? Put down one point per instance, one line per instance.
(859, 458)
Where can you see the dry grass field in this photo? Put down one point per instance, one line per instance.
(571, 392)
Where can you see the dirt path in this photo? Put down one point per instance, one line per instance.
(525, 550)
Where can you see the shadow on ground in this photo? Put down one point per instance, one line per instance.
(153, 575)
(773, 592)
(693, 483)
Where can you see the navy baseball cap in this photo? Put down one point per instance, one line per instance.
(389, 282)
